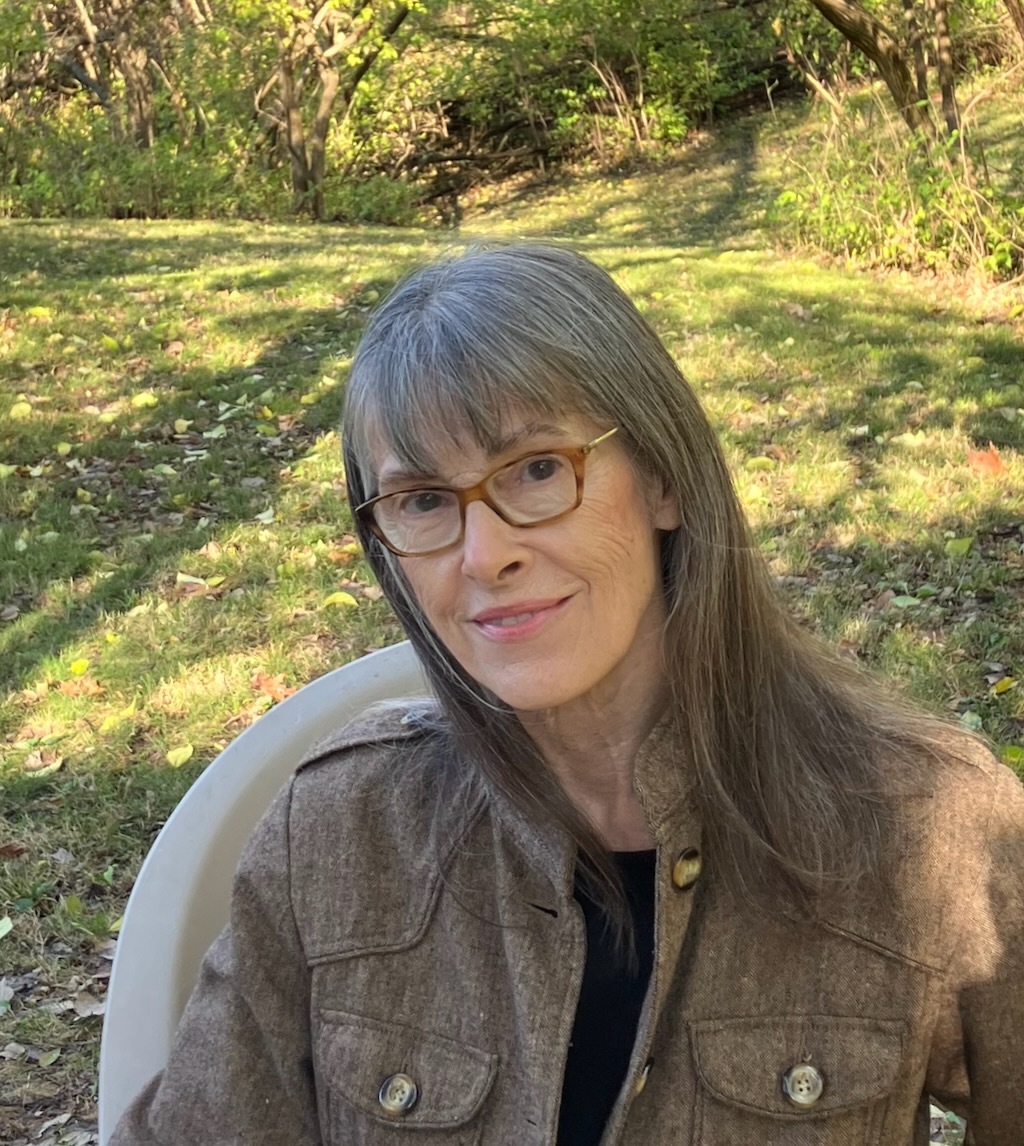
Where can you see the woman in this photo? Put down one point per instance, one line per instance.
(656, 867)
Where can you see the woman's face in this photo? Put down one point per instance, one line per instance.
(563, 612)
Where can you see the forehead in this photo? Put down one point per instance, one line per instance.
(461, 454)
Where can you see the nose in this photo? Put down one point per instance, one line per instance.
(492, 550)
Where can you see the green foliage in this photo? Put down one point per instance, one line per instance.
(867, 191)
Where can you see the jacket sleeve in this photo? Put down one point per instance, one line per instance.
(240, 1070)
(991, 993)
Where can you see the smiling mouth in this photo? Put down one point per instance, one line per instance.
(523, 621)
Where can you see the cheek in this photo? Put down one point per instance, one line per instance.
(621, 551)
(426, 586)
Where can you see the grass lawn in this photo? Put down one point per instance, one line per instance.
(175, 547)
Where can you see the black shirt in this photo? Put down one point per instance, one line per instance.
(611, 998)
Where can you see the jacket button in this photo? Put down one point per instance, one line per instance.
(803, 1085)
(641, 1082)
(398, 1095)
(686, 869)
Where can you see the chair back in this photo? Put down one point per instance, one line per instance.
(180, 900)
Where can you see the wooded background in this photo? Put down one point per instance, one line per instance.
(369, 111)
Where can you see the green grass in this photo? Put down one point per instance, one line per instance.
(174, 522)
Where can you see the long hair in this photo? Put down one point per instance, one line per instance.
(792, 749)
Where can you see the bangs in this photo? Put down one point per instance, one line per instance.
(425, 390)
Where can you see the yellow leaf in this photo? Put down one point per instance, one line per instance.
(181, 425)
(760, 464)
(145, 400)
(39, 312)
(83, 495)
(20, 411)
(341, 598)
(79, 667)
(213, 582)
(115, 927)
(64, 448)
(50, 1057)
(178, 756)
(1004, 685)
(308, 399)
(110, 343)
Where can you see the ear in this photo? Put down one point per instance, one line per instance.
(665, 508)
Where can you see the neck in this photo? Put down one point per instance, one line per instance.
(591, 748)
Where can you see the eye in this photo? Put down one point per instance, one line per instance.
(540, 467)
(421, 502)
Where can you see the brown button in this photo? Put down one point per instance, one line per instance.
(641, 1082)
(398, 1094)
(803, 1085)
(686, 869)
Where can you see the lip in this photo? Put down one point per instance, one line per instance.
(499, 623)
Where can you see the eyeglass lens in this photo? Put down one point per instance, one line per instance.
(526, 491)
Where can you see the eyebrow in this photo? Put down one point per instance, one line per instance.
(399, 476)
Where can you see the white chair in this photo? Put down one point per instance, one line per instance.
(180, 900)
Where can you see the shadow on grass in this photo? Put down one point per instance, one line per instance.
(892, 348)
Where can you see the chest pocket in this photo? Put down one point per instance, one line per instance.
(815, 1080)
(381, 1084)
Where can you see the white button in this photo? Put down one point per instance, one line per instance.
(803, 1085)
(398, 1094)
(641, 1082)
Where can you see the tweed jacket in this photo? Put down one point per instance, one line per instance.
(402, 970)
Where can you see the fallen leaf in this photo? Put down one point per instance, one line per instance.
(986, 461)
(145, 400)
(20, 411)
(49, 1057)
(175, 347)
(109, 343)
(9, 612)
(1012, 754)
(42, 763)
(83, 686)
(12, 850)
(760, 464)
(1003, 685)
(79, 667)
(959, 546)
(181, 425)
(971, 720)
(87, 1006)
(63, 449)
(39, 312)
(373, 592)
(272, 686)
(12, 1051)
(178, 756)
(341, 599)
(6, 926)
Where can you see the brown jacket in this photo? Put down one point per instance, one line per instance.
(375, 932)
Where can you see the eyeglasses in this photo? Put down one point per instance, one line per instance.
(531, 490)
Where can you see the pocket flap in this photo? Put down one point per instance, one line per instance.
(744, 1061)
(356, 1055)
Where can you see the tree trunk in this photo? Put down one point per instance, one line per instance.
(916, 37)
(329, 84)
(944, 59)
(872, 37)
(1016, 10)
(295, 135)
